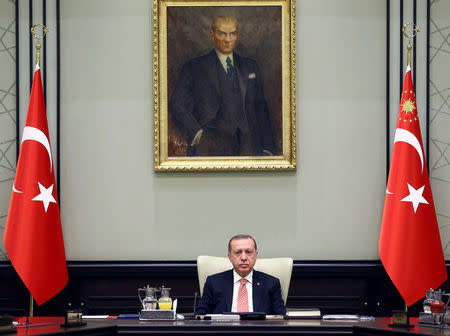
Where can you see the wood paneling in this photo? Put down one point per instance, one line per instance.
(111, 287)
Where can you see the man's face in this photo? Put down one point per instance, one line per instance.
(225, 36)
(243, 255)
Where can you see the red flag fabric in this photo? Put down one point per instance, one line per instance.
(33, 236)
(409, 245)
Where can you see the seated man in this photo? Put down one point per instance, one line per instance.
(241, 289)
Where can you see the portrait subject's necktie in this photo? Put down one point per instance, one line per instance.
(230, 67)
(242, 299)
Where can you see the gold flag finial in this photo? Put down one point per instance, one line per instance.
(38, 38)
(415, 30)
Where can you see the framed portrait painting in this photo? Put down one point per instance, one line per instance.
(224, 93)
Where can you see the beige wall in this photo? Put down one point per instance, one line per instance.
(115, 207)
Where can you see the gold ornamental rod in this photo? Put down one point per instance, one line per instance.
(38, 39)
(415, 30)
(30, 311)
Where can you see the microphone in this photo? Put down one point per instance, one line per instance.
(195, 301)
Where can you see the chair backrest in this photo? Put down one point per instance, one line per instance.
(280, 268)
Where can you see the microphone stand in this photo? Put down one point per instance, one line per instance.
(195, 301)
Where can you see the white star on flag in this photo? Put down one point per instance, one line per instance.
(415, 197)
(45, 196)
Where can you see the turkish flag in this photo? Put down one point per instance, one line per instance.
(410, 246)
(33, 236)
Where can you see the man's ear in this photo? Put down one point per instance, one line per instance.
(211, 33)
(229, 256)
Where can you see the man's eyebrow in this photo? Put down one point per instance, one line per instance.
(221, 31)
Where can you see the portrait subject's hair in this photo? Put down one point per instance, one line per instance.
(225, 18)
(241, 236)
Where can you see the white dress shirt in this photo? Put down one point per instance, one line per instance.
(223, 59)
(248, 285)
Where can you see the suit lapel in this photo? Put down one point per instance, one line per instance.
(229, 289)
(257, 291)
(242, 74)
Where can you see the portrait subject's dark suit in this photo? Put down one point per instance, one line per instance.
(218, 294)
(232, 111)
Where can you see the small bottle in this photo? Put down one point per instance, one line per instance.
(149, 302)
(437, 305)
(428, 299)
(165, 302)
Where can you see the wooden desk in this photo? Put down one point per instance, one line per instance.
(378, 327)
(50, 325)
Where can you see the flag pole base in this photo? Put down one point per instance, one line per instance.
(400, 319)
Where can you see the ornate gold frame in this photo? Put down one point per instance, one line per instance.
(164, 162)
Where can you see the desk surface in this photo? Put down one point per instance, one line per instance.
(51, 325)
(107, 327)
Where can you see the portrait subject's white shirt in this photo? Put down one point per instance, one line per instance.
(223, 59)
(248, 285)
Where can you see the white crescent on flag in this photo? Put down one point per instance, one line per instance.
(402, 135)
(35, 134)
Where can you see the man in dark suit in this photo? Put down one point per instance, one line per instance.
(218, 102)
(241, 289)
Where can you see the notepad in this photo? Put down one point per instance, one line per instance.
(222, 317)
(303, 313)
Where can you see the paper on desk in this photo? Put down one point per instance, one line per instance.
(340, 317)
(95, 316)
(303, 313)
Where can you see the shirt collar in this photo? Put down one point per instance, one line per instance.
(237, 277)
(223, 58)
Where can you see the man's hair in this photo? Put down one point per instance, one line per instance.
(241, 236)
(226, 18)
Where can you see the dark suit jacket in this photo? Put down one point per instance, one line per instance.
(218, 294)
(197, 98)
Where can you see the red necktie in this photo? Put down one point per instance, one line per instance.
(242, 299)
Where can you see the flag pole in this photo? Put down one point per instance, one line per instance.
(405, 318)
(38, 57)
(408, 60)
(31, 309)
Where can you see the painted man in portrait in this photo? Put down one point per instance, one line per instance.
(218, 102)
